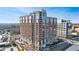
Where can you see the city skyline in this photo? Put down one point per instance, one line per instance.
(11, 14)
(38, 30)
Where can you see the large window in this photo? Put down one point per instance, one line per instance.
(23, 19)
(26, 19)
(36, 20)
(37, 16)
(30, 19)
(33, 17)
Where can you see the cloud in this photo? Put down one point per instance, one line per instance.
(12, 14)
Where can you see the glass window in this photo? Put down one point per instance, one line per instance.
(23, 19)
(29, 20)
(26, 19)
(36, 20)
(37, 16)
(29, 17)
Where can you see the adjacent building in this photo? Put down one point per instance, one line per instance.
(75, 29)
(63, 29)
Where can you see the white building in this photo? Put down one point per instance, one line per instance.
(63, 29)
